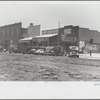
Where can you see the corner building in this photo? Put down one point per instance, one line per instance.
(84, 38)
(10, 34)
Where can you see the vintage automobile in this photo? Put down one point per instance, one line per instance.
(53, 51)
(40, 51)
(73, 52)
(13, 49)
(1, 48)
(32, 51)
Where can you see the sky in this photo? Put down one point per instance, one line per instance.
(48, 14)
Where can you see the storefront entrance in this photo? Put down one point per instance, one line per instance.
(67, 45)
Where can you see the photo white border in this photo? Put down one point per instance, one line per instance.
(49, 90)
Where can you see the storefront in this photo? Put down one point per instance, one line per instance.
(38, 41)
(85, 47)
(46, 40)
(25, 43)
(68, 36)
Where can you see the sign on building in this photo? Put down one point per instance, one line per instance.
(25, 35)
(63, 37)
(74, 48)
(70, 39)
(93, 47)
(81, 45)
(67, 31)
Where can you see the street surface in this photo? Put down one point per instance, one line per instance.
(19, 67)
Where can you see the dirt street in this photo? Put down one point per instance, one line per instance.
(19, 67)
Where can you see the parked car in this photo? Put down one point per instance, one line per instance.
(53, 51)
(40, 51)
(73, 54)
(32, 51)
(4, 50)
(1, 48)
(13, 49)
(49, 50)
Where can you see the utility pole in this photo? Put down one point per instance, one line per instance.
(58, 33)
(91, 42)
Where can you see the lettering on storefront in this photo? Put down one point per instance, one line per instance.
(81, 45)
(93, 47)
(67, 31)
(65, 38)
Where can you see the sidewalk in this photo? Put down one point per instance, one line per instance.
(93, 56)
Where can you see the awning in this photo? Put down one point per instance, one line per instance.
(46, 36)
(25, 40)
(28, 39)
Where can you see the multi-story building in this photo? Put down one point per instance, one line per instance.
(71, 35)
(34, 30)
(84, 38)
(10, 34)
(50, 31)
(67, 36)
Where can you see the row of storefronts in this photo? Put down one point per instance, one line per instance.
(65, 37)
(68, 36)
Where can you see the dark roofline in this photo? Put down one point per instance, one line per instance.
(94, 30)
(84, 28)
(11, 25)
(51, 29)
(24, 28)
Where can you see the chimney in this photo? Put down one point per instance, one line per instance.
(31, 24)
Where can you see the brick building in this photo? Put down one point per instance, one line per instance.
(50, 31)
(66, 36)
(71, 35)
(10, 34)
(34, 30)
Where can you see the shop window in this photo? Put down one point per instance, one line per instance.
(12, 33)
(7, 33)
(91, 41)
(3, 34)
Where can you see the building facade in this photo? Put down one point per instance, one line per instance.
(10, 34)
(34, 30)
(50, 31)
(84, 38)
(68, 36)
(89, 39)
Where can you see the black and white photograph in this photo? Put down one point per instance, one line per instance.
(50, 41)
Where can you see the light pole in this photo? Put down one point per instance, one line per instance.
(58, 34)
(91, 42)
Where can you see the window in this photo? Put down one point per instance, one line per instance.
(7, 33)
(49, 31)
(17, 32)
(67, 31)
(55, 31)
(43, 32)
(12, 32)
(3, 33)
